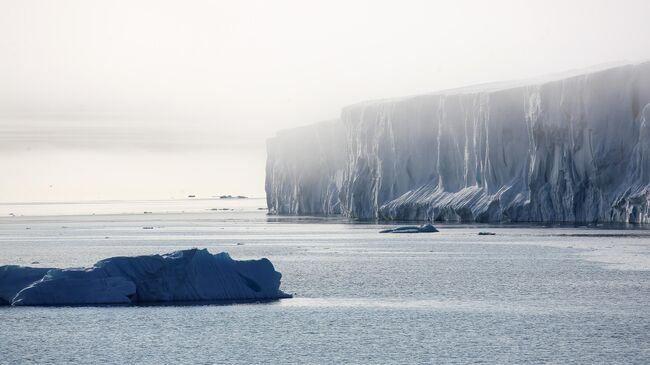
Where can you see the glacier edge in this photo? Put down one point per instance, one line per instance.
(572, 149)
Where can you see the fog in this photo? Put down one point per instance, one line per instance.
(159, 99)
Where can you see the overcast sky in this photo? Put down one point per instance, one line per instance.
(154, 99)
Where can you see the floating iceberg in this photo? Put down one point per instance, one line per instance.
(569, 148)
(182, 276)
(425, 228)
(14, 278)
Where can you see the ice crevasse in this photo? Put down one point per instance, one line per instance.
(183, 276)
(566, 148)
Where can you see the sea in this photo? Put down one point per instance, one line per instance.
(526, 294)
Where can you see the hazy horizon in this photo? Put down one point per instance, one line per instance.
(161, 99)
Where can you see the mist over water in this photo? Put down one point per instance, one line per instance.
(78, 159)
(70, 174)
(152, 99)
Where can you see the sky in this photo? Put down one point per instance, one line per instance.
(155, 99)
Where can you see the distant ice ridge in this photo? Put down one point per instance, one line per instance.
(565, 149)
(182, 276)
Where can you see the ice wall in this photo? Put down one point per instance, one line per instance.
(304, 169)
(571, 148)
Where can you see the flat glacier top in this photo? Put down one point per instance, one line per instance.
(511, 84)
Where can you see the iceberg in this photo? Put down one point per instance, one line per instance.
(567, 148)
(14, 278)
(184, 276)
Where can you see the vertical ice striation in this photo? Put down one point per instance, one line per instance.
(304, 169)
(574, 148)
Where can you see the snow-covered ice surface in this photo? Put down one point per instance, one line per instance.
(530, 294)
(190, 275)
(568, 148)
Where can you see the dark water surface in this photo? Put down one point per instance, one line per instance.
(529, 294)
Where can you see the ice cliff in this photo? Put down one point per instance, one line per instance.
(569, 148)
(182, 276)
(304, 169)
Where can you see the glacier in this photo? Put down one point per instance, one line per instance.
(182, 276)
(566, 148)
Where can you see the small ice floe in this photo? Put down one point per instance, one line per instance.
(486, 233)
(425, 228)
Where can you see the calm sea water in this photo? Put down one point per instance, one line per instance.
(529, 294)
